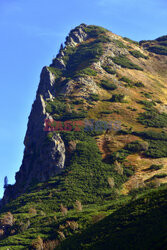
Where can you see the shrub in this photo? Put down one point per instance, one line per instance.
(63, 210)
(55, 106)
(56, 72)
(147, 104)
(157, 149)
(73, 225)
(117, 98)
(7, 219)
(95, 31)
(109, 70)
(124, 62)
(37, 243)
(130, 40)
(138, 54)
(111, 182)
(86, 71)
(139, 84)
(152, 118)
(94, 97)
(107, 85)
(50, 244)
(150, 134)
(32, 211)
(119, 43)
(119, 155)
(118, 168)
(82, 57)
(137, 146)
(158, 49)
(155, 167)
(125, 79)
(160, 175)
(78, 205)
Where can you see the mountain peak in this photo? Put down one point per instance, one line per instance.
(97, 75)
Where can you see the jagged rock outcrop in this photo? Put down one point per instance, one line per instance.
(42, 158)
(75, 37)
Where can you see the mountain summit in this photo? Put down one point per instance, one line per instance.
(96, 132)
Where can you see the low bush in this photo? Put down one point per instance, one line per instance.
(137, 54)
(119, 43)
(86, 71)
(125, 79)
(157, 149)
(137, 146)
(117, 98)
(155, 167)
(108, 85)
(130, 40)
(94, 97)
(152, 118)
(109, 70)
(124, 62)
(139, 84)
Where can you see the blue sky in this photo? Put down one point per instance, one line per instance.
(31, 34)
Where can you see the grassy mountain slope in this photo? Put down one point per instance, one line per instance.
(115, 168)
(137, 225)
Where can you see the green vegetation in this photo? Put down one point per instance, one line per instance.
(119, 43)
(106, 84)
(117, 98)
(131, 41)
(157, 143)
(124, 62)
(140, 224)
(56, 106)
(147, 104)
(155, 167)
(109, 70)
(137, 54)
(157, 46)
(137, 146)
(56, 72)
(152, 118)
(82, 56)
(95, 31)
(139, 84)
(125, 79)
(157, 49)
(60, 111)
(157, 149)
(86, 71)
(94, 97)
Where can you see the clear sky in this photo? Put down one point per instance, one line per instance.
(31, 34)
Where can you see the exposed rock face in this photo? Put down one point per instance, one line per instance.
(75, 37)
(42, 158)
